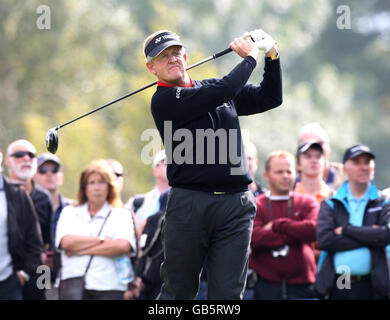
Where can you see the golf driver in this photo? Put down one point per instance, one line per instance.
(52, 134)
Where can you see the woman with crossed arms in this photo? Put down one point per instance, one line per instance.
(78, 228)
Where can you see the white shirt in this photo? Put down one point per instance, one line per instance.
(149, 207)
(101, 274)
(6, 268)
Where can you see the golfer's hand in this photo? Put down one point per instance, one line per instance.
(261, 39)
(244, 47)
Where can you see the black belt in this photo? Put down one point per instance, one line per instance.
(360, 278)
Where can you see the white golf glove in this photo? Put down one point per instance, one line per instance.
(261, 39)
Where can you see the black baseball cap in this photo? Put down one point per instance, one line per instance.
(357, 150)
(160, 42)
(310, 144)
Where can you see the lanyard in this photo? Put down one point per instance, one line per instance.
(289, 206)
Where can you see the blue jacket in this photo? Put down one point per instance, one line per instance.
(333, 213)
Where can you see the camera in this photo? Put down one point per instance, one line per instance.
(281, 251)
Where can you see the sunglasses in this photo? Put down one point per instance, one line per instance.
(44, 170)
(21, 154)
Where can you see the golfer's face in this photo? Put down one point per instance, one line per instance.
(169, 65)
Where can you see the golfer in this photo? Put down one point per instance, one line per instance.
(210, 211)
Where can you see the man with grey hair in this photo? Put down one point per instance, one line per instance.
(333, 173)
(22, 166)
(20, 239)
(354, 229)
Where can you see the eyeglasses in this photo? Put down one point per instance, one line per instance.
(43, 170)
(21, 154)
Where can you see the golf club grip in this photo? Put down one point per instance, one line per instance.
(219, 54)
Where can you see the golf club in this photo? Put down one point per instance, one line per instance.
(52, 134)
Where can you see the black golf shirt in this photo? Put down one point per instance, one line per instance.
(211, 108)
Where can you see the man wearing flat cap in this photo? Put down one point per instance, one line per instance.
(354, 229)
(210, 210)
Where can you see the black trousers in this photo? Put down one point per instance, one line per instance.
(103, 295)
(31, 290)
(360, 290)
(199, 224)
(267, 290)
(11, 288)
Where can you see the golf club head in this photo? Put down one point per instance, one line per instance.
(52, 140)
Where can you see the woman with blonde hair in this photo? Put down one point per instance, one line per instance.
(97, 227)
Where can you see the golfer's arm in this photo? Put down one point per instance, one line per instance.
(268, 95)
(74, 243)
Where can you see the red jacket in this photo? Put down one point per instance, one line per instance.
(298, 231)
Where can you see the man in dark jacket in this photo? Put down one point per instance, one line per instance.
(22, 165)
(20, 240)
(147, 283)
(50, 177)
(353, 227)
(210, 210)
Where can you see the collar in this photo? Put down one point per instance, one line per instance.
(324, 192)
(103, 212)
(1, 182)
(278, 198)
(372, 192)
(163, 84)
(351, 197)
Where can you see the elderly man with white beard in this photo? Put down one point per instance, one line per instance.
(22, 166)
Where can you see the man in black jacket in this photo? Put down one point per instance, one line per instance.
(20, 239)
(354, 229)
(210, 210)
(22, 165)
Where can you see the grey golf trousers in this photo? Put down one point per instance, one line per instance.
(199, 224)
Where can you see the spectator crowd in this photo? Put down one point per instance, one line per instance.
(321, 230)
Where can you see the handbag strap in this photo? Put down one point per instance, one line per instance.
(137, 248)
(100, 231)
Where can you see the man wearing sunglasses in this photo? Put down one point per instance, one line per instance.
(22, 165)
(20, 239)
(50, 177)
